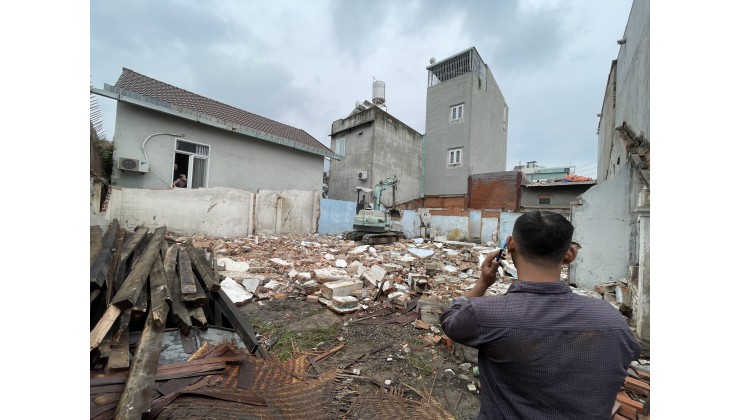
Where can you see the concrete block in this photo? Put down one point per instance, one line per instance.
(392, 268)
(341, 263)
(353, 267)
(344, 301)
(375, 275)
(338, 288)
(312, 298)
(359, 250)
(324, 275)
(231, 265)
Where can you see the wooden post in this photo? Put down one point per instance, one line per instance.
(185, 270)
(100, 267)
(203, 268)
(129, 292)
(128, 247)
(137, 396)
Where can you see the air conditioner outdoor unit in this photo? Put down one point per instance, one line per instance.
(136, 165)
(362, 175)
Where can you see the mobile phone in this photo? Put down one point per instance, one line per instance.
(501, 251)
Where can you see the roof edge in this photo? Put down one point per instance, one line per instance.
(124, 95)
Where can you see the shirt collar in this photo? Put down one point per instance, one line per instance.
(553, 287)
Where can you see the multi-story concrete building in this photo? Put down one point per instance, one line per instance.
(466, 124)
(375, 146)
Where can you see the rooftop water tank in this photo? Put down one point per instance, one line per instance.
(378, 92)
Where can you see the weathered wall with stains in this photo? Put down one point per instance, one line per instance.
(286, 212)
(602, 227)
(219, 212)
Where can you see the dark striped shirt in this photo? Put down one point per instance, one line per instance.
(544, 352)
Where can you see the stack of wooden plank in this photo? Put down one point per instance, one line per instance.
(633, 400)
(143, 281)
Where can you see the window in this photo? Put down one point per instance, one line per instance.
(339, 147)
(191, 159)
(456, 112)
(454, 156)
(543, 199)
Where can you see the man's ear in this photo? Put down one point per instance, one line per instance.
(570, 254)
(510, 243)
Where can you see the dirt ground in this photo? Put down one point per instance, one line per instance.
(380, 341)
(408, 361)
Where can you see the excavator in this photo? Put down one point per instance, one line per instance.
(371, 225)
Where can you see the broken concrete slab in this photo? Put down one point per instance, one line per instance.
(235, 291)
(324, 275)
(421, 252)
(280, 262)
(359, 250)
(339, 288)
(341, 263)
(375, 275)
(251, 284)
(231, 265)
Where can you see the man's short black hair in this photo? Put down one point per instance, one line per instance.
(543, 235)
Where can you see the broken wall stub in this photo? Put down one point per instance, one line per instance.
(286, 212)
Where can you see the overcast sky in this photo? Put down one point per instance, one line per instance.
(306, 63)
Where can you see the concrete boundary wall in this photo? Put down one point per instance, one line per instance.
(235, 213)
(286, 212)
(220, 212)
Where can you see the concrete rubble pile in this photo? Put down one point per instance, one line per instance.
(348, 277)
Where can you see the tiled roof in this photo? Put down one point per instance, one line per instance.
(135, 82)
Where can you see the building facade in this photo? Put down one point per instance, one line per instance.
(162, 131)
(466, 124)
(374, 146)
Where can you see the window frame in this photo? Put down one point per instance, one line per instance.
(202, 153)
(454, 156)
(457, 112)
(343, 142)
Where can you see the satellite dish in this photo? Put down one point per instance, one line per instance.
(432, 60)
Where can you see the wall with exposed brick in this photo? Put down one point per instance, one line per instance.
(495, 190)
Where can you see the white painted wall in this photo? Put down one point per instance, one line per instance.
(287, 212)
(602, 227)
(218, 212)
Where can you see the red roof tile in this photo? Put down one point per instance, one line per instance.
(135, 82)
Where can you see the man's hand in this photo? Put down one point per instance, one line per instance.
(488, 271)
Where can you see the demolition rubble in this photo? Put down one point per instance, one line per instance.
(348, 278)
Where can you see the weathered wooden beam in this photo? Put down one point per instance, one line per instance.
(137, 397)
(198, 299)
(110, 279)
(185, 271)
(120, 356)
(179, 313)
(101, 265)
(203, 268)
(162, 374)
(131, 244)
(140, 308)
(238, 321)
(170, 269)
(198, 318)
(104, 325)
(158, 280)
(127, 295)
